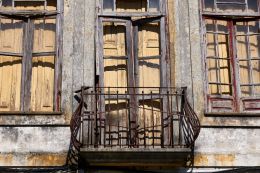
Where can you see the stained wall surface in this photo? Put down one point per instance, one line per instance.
(43, 140)
(224, 140)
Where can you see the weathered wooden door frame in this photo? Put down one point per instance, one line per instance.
(132, 28)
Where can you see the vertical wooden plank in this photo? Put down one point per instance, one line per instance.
(58, 57)
(133, 100)
(90, 15)
(27, 73)
(163, 61)
(164, 81)
(136, 58)
(24, 65)
(100, 56)
(235, 66)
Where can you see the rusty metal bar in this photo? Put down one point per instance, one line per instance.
(148, 132)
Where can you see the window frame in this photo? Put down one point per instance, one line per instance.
(146, 13)
(27, 55)
(215, 12)
(238, 101)
(132, 49)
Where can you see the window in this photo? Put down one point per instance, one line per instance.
(232, 55)
(29, 55)
(131, 6)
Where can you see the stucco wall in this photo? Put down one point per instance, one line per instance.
(228, 147)
(43, 140)
(25, 143)
(229, 141)
(33, 146)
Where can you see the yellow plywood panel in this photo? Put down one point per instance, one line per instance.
(149, 76)
(241, 47)
(115, 69)
(256, 74)
(42, 89)
(11, 35)
(10, 79)
(254, 46)
(149, 46)
(212, 63)
(117, 121)
(224, 66)
(51, 5)
(217, 57)
(150, 119)
(44, 35)
(115, 74)
(114, 39)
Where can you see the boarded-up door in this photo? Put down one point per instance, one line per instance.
(132, 58)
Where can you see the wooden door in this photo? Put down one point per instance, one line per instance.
(121, 61)
(11, 38)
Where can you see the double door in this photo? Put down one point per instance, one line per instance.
(132, 69)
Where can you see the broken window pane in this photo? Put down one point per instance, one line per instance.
(231, 5)
(108, 5)
(252, 5)
(6, 4)
(209, 5)
(154, 5)
(249, 6)
(29, 5)
(131, 6)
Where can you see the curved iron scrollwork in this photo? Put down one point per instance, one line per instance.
(137, 117)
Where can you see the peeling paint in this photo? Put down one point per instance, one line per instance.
(6, 159)
(33, 159)
(46, 159)
(201, 160)
(225, 159)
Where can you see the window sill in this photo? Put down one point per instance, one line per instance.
(7, 113)
(232, 114)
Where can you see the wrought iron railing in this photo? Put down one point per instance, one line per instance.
(133, 117)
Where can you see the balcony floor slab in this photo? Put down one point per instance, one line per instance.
(124, 157)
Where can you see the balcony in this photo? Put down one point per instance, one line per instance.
(133, 127)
